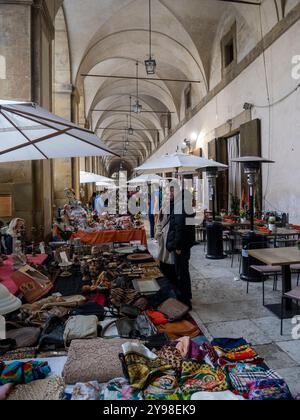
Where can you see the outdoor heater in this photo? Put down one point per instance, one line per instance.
(252, 167)
(215, 250)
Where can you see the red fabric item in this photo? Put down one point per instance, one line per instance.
(109, 236)
(6, 271)
(157, 317)
(99, 298)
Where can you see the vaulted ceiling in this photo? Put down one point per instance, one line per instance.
(109, 36)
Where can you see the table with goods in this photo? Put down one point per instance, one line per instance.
(102, 323)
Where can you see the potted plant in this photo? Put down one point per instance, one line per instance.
(272, 223)
(243, 215)
(235, 205)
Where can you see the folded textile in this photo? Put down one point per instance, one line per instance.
(242, 376)
(119, 389)
(93, 360)
(50, 389)
(270, 389)
(197, 377)
(89, 391)
(229, 343)
(20, 354)
(142, 365)
(216, 396)
(188, 348)
(23, 372)
(157, 317)
(238, 354)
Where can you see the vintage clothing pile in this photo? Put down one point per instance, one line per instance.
(119, 343)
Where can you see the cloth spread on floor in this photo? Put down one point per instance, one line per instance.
(269, 389)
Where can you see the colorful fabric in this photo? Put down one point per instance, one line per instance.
(164, 388)
(119, 390)
(273, 389)
(241, 378)
(229, 343)
(157, 317)
(20, 354)
(239, 354)
(142, 365)
(89, 391)
(23, 373)
(171, 356)
(198, 377)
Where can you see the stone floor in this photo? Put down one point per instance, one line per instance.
(222, 308)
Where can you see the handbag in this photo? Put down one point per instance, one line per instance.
(179, 329)
(129, 311)
(52, 336)
(173, 309)
(139, 328)
(90, 308)
(80, 327)
(24, 337)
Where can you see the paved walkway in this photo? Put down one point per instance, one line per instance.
(222, 308)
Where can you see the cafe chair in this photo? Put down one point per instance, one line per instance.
(296, 270)
(294, 296)
(266, 271)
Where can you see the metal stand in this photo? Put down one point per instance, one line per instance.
(214, 230)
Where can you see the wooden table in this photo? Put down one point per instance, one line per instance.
(284, 257)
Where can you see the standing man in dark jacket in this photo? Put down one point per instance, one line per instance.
(181, 239)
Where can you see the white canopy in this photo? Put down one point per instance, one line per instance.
(90, 178)
(180, 162)
(143, 179)
(29, 132)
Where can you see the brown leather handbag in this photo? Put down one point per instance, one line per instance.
(173, 309)
(179, 329)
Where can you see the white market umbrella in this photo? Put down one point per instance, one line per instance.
(90, 178)
(107, 185)
(29, 132)
(179, 162)
(143, 179)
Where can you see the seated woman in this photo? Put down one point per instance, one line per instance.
(15, 231)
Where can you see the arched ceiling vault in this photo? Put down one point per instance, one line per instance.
(109, 37)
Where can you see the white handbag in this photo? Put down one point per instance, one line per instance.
(80, 327)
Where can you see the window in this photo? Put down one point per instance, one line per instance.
(6, 206)
(2, 67)
(188, 98)
(229, 50)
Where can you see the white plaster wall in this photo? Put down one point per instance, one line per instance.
(281, 183)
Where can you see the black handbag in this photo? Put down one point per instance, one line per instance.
(157, 341)
(90, 308)
(139, 328)
(52, 337)
(129, 311)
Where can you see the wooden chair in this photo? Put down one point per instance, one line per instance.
(264, 272)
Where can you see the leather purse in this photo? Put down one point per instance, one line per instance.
(129, 311)
(139, 328)
(90, 308)
(173, 309)
(179, 329)
(52, 337)
(24, 337)
(80, 327)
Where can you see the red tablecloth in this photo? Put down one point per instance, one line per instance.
(6, 270)
(110, 236)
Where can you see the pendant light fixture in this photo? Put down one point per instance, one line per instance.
(150, 63)
(130, 129)
(137, 107)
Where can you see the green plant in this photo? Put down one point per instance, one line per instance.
(298, 243)
(235, 205)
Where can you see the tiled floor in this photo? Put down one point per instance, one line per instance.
(223, 309)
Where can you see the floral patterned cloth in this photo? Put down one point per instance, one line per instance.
(119, 390)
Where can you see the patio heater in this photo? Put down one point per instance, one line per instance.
(214, 230)
(252, 167)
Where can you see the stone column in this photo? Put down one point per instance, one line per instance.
(26, 34)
